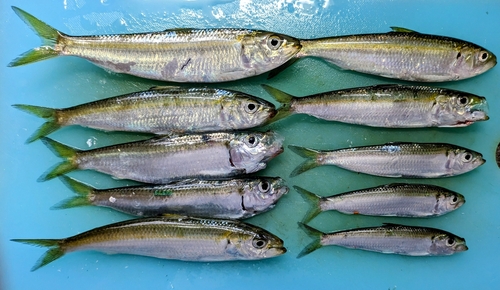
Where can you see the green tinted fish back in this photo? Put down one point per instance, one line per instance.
(48, 35)
(55, 252)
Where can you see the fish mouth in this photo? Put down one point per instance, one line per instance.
(461, 248)
(278, 250)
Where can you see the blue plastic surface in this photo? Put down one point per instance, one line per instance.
(66, 81)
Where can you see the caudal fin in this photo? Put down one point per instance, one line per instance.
(313, 200)
(48, 35)
(55, 251)
(315, 244)
(63, 151)
(309, 163)
(47, 113)
(286, 103)
(83, 191)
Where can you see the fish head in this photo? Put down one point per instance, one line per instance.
(473, 60)
(459, 109)
(461, 160)
(250, 150)
(262, 194)
(447, 244)
(448, 201)
(244, 111)
(255, 244)
(264, 51)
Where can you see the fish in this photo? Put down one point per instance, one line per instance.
(402, 54)
(170, 237)
(388, 106)
(395, 199)
(389, 239)
(175, 55)
(162, 160)
(497, 155)
(161, 110)
(226, 199)
(395, 159)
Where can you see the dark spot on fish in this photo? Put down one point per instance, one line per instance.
(243, 203)
(355, 212)
(185, 64)
(205, 138)
(459, 55)
(231, 162)
(169, 69)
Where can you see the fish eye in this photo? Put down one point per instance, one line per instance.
(274, 42)
(264, 186)
(251, 141)
(259, 243)
(483, 56)
(251, 107)
(463, 100)
(454, 200)
(467, 157)
(450, 242)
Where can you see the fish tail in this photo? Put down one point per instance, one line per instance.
(314, 245)
(83, 191)
(47, 113)
(313, 200)
(63, 151)
(48, 35)
(286, 102)
(309, 163)
(55, 250)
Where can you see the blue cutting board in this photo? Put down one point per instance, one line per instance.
(25, 204)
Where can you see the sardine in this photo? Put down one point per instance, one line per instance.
(161, 110)
(177, 55)
(389, 239)
(398, 159)
(390, 106)
(397, 199)
(403, 54)
(165, 159)
(232, 199)
(174, 237)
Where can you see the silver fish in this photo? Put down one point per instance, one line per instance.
(232, 199)
(389, 239)
(174, 237)
(398, 159)
(396, 199)
(403, 54)
(390, 106)
(165, 159)
(177, 55)
(161, 110)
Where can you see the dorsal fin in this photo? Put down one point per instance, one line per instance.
(402, 29)
(159, 88)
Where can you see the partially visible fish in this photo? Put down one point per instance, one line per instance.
(403, 54)
(232, 199)
(397, 199)
(174, 237)
(161, 110)
(497, 155)
(165, 159)
(389, 239)
(398, 159)
(390, 106)
(176, 55)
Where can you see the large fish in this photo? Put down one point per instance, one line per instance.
(403, 54)
(165, 159)
(399, 159)
(232, 198)
(389, 239)
(397, 199)
(177, 55)
(161, 110)
(391, 106)
(175, 237)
